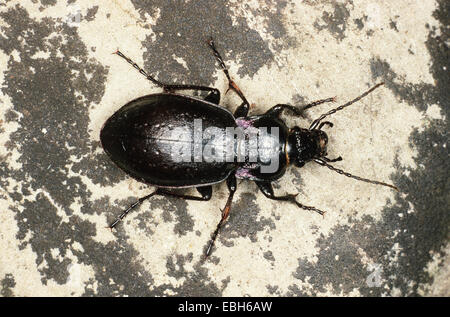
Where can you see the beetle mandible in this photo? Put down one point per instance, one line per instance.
(141, 136)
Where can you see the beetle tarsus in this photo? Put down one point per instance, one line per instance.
(231, 183)
(309, 208)
(213, 240)
(225, 214)
(140, 70)
(134, 205)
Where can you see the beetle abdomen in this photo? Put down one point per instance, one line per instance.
(160, 139)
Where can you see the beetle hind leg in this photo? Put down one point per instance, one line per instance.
(134, 205)
(139, 69)
(214, 95)
(205, 192)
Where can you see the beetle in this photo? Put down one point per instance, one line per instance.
(141, 136)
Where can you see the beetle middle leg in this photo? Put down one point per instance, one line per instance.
(243, 109)
(205, 192)
(267, 189)
(231, 183)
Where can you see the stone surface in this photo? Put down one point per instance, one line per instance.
(58, 190)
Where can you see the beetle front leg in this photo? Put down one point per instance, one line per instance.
(276, 111)
(267, 190)
(231, 183)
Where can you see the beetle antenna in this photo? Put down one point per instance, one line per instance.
(323, 163)
(317, 121)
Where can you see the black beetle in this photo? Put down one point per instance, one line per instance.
(142, 135)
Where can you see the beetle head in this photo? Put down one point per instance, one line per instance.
(305, 145)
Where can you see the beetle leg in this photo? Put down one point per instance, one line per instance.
(243, 109)
(231, 183)
(275, 111)
(267, 190)
(136, 66)
(337, 159)
(171, 87)
(205, 191)
(134, 205)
